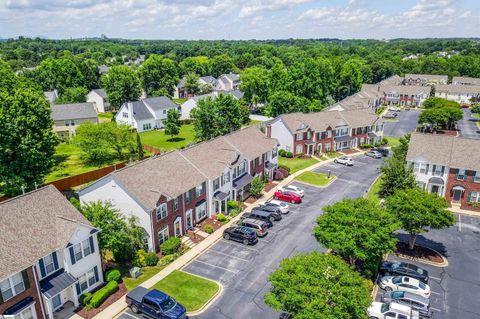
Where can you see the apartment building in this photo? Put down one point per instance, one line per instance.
(425, 79)
(465, 80)
(49, 263)
(322, 132)
(448, 166)
(463, 94)
(405, 95)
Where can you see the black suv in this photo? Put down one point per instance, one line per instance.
(388, 268)
(381, 150)
(242, 234)
(276, 214)
(260, 215)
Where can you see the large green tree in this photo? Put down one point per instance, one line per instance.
(192, 84)
(254, 84)
(351, 78)
(158, 75)
(396, 175)
(315, 285)
(357, 229)
(419, 211)
(221, 64)
(72, 95)
(282, 102)
(172, 123)
(121, 85)
(28, 143)
(196, 64)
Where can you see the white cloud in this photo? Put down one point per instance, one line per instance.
(253, 8)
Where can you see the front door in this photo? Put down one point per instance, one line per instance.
(178, 227)
(434, 189)
(457, 195)
(189, 219)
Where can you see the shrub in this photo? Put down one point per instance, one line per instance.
(281, 152)
(283, 167)
(85, 298)
(378, 144)
(278, 175)
(364, 146)
(384, 141)
(170, 246)
(299, 155)
(256, 186)
(151, 259)
(208, 229)
(232, 204)
(167, 259)
(100, 295)
(288, 154)
(113, 275)
(221, 218)
(139, 259)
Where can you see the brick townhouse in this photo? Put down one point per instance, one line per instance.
(425, 79)
(448, 166)
(405, 95)
(49, 255)
(321, 132)
(171, 193)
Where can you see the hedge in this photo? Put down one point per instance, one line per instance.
(100, 295)
(221, 218)
(208, 229)
(85, 298)
(151, 259)
(113, 275)
(170, 246)
(363, 146)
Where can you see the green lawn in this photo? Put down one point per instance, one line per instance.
(105, 117)
(147, 273)
(393, 141)
(179, 101)
(316, 179)
(159, 139)
(69, 163)
(296, 164)
(189, 290)
(373, 192)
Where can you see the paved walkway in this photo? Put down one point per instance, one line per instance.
(467, 125)
(117, 307)
(458, 210)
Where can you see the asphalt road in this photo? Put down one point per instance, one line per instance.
(406, 122)
(243, 270)
(467, 126)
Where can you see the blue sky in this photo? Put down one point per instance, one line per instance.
(240, 19)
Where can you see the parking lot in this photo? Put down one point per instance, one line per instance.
(406, 122)
(455, 288)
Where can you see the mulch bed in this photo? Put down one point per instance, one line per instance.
(350, 151)
(210, 221)
(195, 238)
(88, 314)
(270, 186)
(418, 252)
(250, 200)
(447, 132)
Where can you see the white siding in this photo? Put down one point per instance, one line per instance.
(187, 108)
(282, 134)
(108, 190)
(98, 100)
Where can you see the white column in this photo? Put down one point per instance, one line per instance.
(75, 295)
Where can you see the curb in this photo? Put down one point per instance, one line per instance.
(210, 301)
(317, 186)
(423, 261)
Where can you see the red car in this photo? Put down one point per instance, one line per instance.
(288, 197)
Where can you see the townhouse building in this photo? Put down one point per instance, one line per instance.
(225, 82)
(67, 117)
(465, 80)
(228, 82)
(425, 79)
(147, 114)
(405, 95)
(463, 94)
(448, 166)
(171, 193)
(99, 97)
(323, 132)
(54, 259)
(192, 102)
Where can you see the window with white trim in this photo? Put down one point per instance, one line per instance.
(298, 136)
(125, 115)
(216, 184)
(49, 264)
(199, 189)
(329, 134)
(476, 177)
(82, 249)
(12, 286)
(461, 174)
(201, 212)
(175, 203)
(87, 280)
(438, 170)
(424, 168)
(474, 197)
(25, 314)
(162, 235)
(161, 211)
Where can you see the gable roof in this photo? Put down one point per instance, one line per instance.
(209, 80)
(34, 225)
(251, 142)
(407, 89)
(100, 92)
(159, 103)
(74, 111)
(459, 89)
(455, 152)
(466, 80)
(140, 111)
(428, 77)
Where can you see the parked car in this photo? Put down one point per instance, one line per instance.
(154, 304)
(381, 150)
(276, 214)
(295, 189)
(260, 215)
(404, 283)
(374, 154)
(245, 235)
(259, 226)
(344, 160)
(285, 315)
(288, 197)
(390, 115)
(388, 268)
(282, 206)
(379, 310)
(416, 302)
(394, 109)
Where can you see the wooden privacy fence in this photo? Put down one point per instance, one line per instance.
(151, 149)
(80, 179)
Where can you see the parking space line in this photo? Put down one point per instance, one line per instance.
(131, 316)
(220, 253)
(238, 245)
(435, 309)
(435, 293)
(435, 278)
(220, 267)
(459, 223)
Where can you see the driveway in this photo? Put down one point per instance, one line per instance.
(243, 270)
(455, 288)
(467, 126)
(406, 122)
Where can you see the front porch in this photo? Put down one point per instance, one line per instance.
(59, 294)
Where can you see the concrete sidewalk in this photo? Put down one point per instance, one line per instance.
(116, 308)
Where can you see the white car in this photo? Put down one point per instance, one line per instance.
(284, 207)
(345, 160)
(404, 283)
(393, 310)
(294, 189)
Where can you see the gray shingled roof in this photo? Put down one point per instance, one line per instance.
(459, 89)
(140, 111)
(101, 92)
(159, 103)
(251, 142)
(466, 80)
(428, 77)
(34, 225)
(455, 152)
(406, 89)
(209, 79)
(74, 111)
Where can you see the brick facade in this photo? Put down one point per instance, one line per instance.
(468, 184)
(31, 292)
